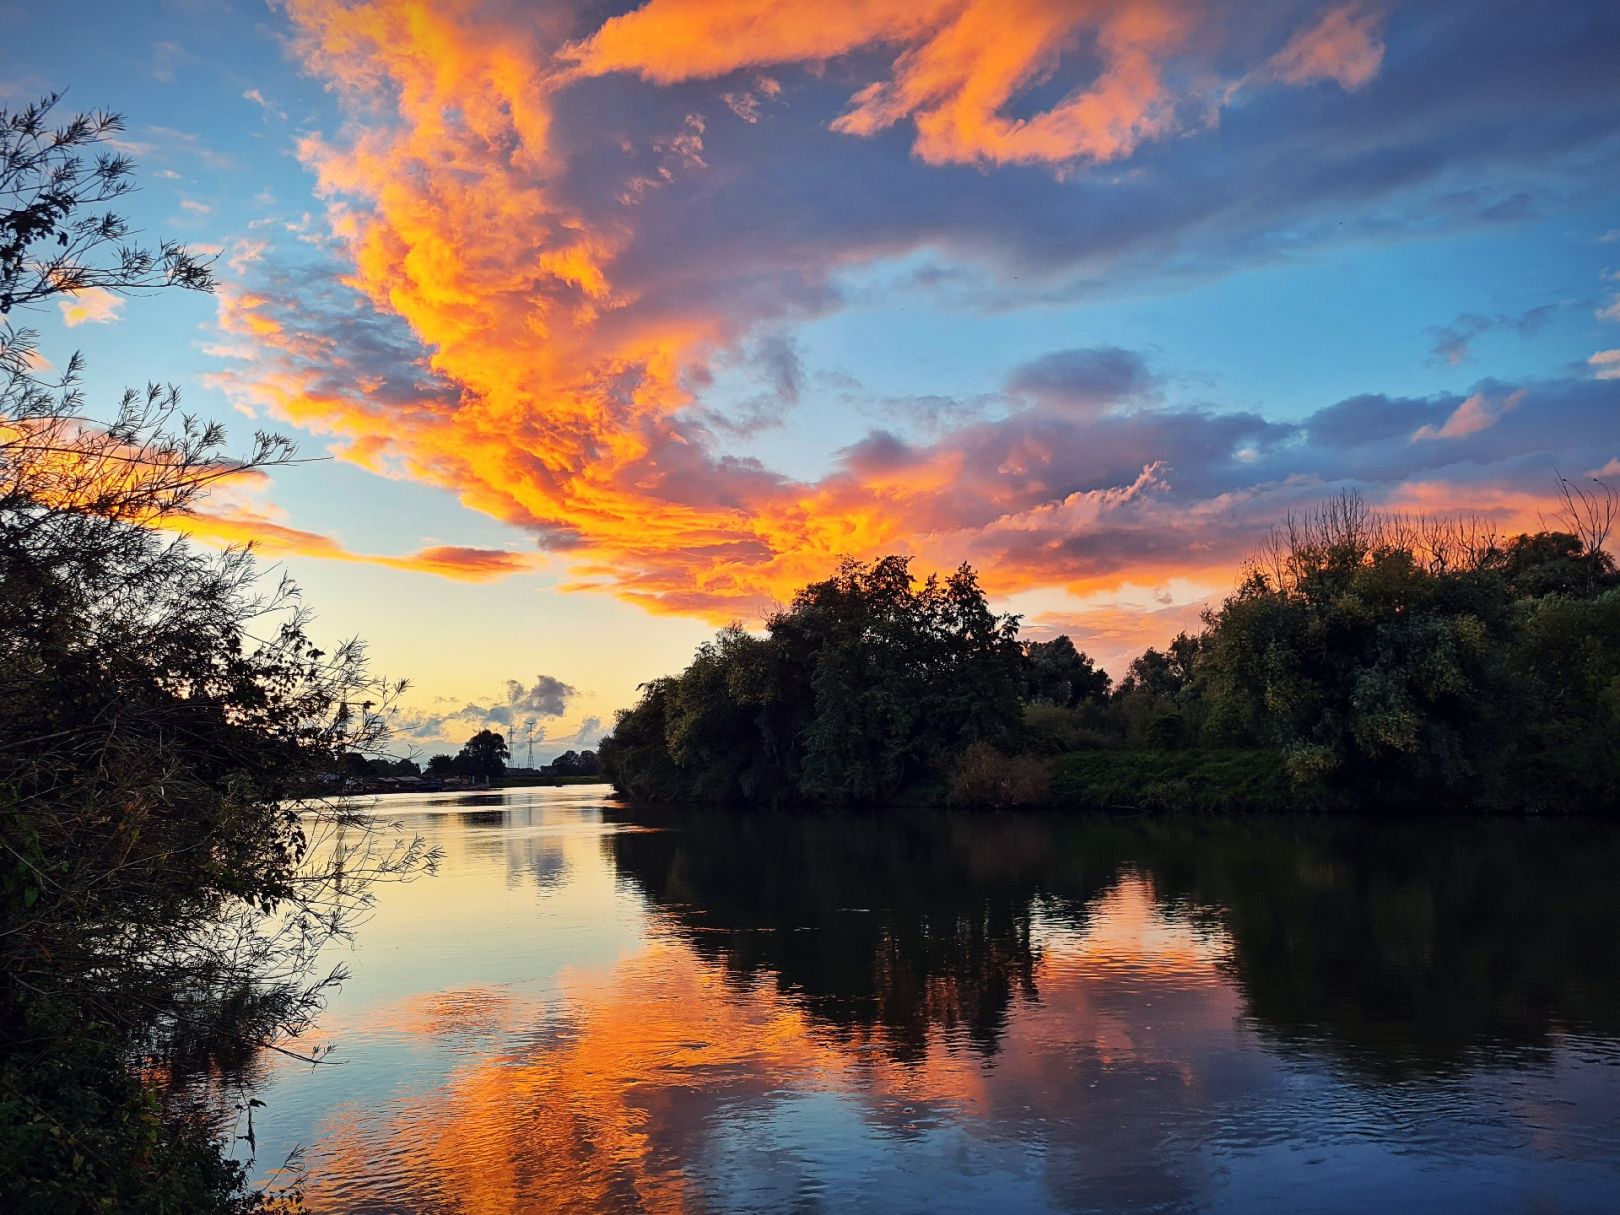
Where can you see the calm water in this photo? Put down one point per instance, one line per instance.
(597, 1009)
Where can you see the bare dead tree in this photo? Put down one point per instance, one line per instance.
(1588, 514)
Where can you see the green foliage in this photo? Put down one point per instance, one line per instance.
(163, 887)
(1221, 781)
(1362, 660)
(1567, 651)
(1403, 663)
(1051, 730)
(867, 683)
(1058, 674)
(1415, 664)
(574, 763)
(79, 1132)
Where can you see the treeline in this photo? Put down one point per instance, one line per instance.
(482, 758)
(1364, 661)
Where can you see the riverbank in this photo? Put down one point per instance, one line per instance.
(547, 782)
(1129, 780)
(1202, 781)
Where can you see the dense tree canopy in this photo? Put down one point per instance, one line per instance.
(867, 681)
(574, 763)
(1059, 674)
(1408, 661)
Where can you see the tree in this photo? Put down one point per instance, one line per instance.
(573, 763)
(49, 245)
(1409, 659)
(1163, 673)
(167, 877)
(1056, 673)
(866, 682)
(484, 756)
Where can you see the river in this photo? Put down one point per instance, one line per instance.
(592, 1008)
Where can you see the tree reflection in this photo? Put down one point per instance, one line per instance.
(1397, 949)
(893, 928)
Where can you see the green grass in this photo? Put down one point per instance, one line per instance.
(1201, 780)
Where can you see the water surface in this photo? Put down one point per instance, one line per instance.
(597, 1009)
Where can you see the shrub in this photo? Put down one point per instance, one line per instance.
(984, 776)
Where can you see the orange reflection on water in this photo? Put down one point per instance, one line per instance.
(615, 1093)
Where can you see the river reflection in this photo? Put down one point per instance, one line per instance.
(591, 1008)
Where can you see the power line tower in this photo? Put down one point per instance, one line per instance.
(528, 729)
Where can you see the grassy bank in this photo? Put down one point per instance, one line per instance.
(1197, 780)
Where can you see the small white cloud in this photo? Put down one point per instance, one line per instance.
(91, 306)
(269, 107)
(167, 58)
(1605, 364)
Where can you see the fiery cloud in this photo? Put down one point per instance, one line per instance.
(960, 66)
(548, 240)
(1474, 415)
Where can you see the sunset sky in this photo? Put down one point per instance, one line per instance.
(618, 322)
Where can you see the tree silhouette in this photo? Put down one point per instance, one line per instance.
(167, 875)
(484, 756)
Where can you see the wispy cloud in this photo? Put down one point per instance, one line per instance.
(1452, 345)
(1344, 47)
(268, 106)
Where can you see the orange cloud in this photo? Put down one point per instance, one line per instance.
(521, 340)
(1478, 412)
(1343, 46)
(69, 462)
(275, 539)
(962, 63)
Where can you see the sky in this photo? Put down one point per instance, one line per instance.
(603, 325)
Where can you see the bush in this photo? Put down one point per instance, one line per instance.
(984, 776)
(1054, 730)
